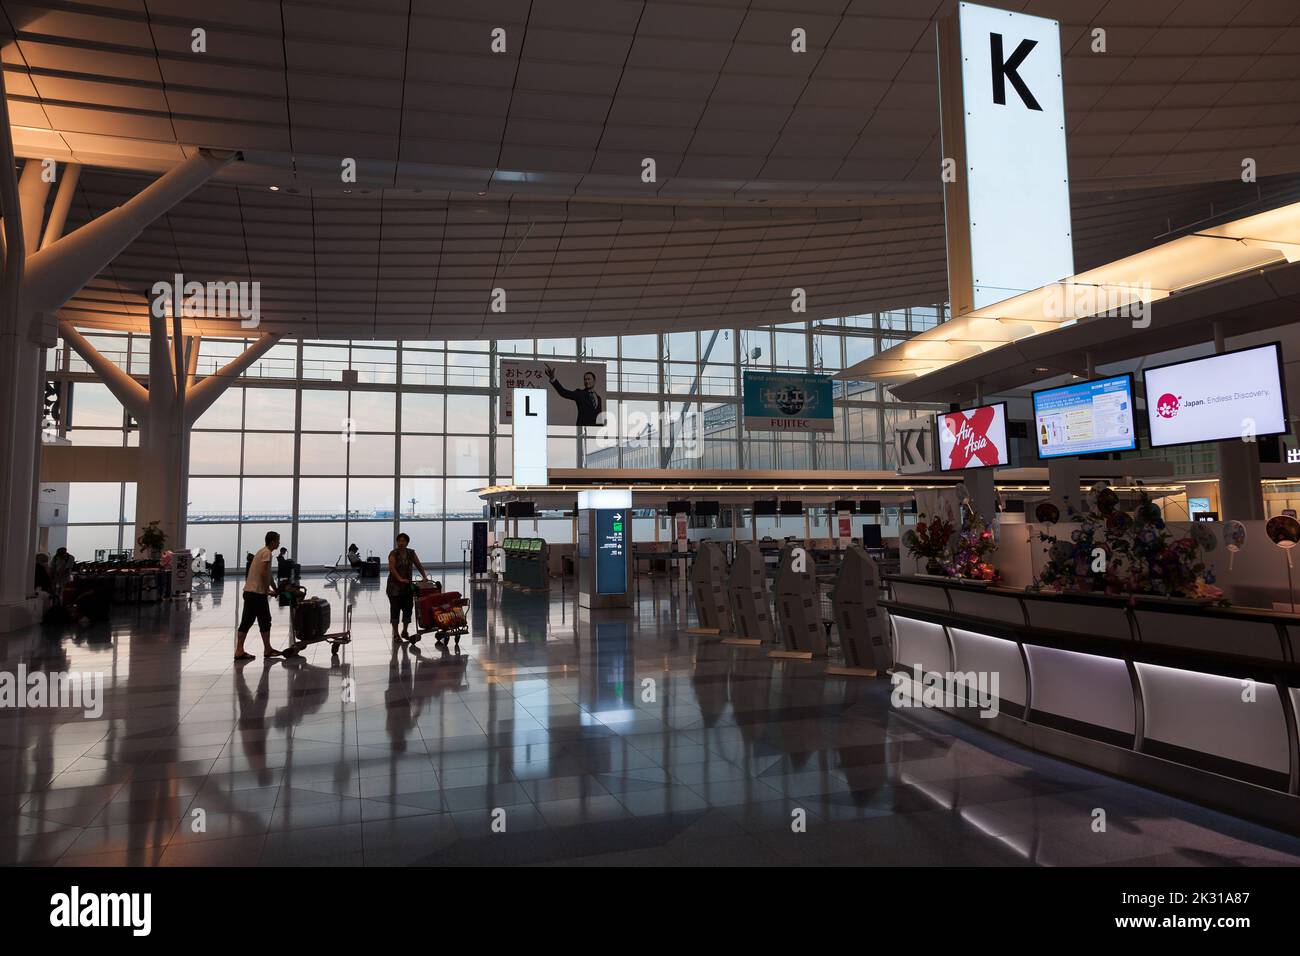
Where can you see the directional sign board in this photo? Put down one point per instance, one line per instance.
(914, 445)
(529, 439)
(611, 552)
(1006, 182)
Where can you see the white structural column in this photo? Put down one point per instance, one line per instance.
(67, 179)
(16, 570)
(33, 192)
(166, 411)
(58, 272)
(37, 283)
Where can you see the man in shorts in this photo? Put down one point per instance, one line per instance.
(258, 588)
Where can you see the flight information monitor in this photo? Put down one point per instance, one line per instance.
(1231, 395)
(1085, 418)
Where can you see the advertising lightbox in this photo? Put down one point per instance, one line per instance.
(973, 438)
(1085, 418)
(1231, 395)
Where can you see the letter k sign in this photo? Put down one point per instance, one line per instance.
(1004, 70)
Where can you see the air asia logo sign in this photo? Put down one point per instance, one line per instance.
(1168, 405)
(973, 439)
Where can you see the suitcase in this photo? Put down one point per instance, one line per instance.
(427, 601)
(312, 619)
(437, 610)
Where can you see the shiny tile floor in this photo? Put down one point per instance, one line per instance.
(556, 738)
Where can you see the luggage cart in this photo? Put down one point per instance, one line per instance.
(335, 639)
(442, 634)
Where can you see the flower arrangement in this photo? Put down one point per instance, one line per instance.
(1114, 552)
(970, 551)
(928, 541)
(152, 538)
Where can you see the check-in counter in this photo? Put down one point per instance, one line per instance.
(1196, 699)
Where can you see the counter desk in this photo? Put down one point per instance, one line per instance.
(1190, 698)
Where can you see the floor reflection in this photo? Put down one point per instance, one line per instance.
(558, 735)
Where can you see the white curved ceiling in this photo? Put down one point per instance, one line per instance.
(774, 169)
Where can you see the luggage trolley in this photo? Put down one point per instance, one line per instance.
(440, 613)
(297, 595)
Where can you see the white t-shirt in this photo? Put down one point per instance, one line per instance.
(258, 580)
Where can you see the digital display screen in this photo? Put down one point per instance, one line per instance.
(973, 438)
(1085, 418)
(1232, 395)
(611, 552)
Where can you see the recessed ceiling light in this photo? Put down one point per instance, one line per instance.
(275, 189)
(1041, 370)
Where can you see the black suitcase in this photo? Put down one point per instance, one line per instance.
(312, 619)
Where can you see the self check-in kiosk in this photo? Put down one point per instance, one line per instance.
(798, 606)
(863, 627)
(748, 596)
(709, 586)
(605, 548)
(527, 561)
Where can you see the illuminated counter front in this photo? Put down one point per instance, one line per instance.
(1192, 699)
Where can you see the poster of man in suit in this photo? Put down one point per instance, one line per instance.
(576, 390)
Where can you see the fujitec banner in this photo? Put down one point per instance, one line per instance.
(975, 438)
(576, 390)
(788, 402)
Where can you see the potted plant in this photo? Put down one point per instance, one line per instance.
(152, 540)
(971, 550)
(929, 542)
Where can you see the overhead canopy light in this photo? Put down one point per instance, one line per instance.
(1219, 252)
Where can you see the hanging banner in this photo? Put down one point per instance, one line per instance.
(788, 402)
(576, 390)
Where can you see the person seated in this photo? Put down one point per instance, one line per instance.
(283, 565)
(354, 556)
